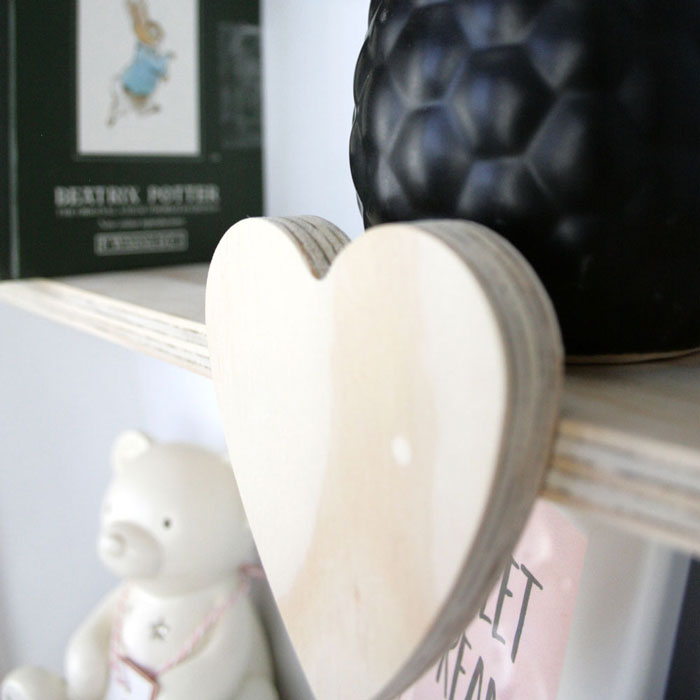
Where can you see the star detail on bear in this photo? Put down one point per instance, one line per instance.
(159, 630)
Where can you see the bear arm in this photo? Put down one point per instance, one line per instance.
(87, 656)
(219, 668)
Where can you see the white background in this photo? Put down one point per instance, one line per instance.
(106, 46)
(64, 396)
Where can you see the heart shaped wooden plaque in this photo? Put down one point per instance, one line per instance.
(389, 407)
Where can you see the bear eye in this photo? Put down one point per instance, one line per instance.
(167, 523)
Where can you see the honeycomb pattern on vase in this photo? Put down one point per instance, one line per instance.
(571, 127)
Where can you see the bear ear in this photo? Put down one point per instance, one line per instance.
(129, 445)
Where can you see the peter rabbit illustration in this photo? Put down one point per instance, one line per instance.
(134, 87)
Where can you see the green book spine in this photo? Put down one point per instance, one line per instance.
(5, 149)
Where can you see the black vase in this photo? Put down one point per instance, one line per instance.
(571, 127)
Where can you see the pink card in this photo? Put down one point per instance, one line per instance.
(515, 646)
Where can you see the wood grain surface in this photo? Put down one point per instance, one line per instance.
(389, 407)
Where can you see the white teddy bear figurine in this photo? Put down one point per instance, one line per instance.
(180, 626)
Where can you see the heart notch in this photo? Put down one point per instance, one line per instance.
(389, 407)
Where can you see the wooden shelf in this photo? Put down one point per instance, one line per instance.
(628, 444)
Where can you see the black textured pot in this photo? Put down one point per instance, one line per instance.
(571, 127)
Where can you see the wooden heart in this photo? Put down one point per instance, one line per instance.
(389, 419)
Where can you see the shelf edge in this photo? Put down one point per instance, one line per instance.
(646, 486)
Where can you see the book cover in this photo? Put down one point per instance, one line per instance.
(136, 128)
(516, 645)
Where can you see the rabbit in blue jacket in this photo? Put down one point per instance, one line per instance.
(133, 88)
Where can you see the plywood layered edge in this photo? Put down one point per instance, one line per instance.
(157, 312)
(628, 441)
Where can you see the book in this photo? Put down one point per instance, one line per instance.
(133, 132)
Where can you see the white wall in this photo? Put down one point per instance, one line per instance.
(310, 49)
(64, 396)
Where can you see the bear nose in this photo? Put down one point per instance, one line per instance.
(113, 544)
(128, 549)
